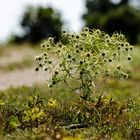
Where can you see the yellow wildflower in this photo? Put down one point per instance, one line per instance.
(52, 103)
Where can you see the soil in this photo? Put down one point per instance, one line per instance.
(26, 76)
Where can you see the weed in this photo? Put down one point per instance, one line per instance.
(87, 59)
(34, 113)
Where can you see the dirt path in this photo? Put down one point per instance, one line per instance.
(20, 77)
(17, 78)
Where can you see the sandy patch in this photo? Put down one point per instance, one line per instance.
(18, 78)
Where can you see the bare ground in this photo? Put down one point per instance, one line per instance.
(22, 77)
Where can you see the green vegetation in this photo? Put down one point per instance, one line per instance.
(26, 63)
(77, 103)
(34, 112)
(111, 17)
(1, 51)
(38, 24)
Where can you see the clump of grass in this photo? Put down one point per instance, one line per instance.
(3, 50)
(17, 65)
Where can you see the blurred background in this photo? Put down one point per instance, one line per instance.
(26, 23)
(34, 20)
